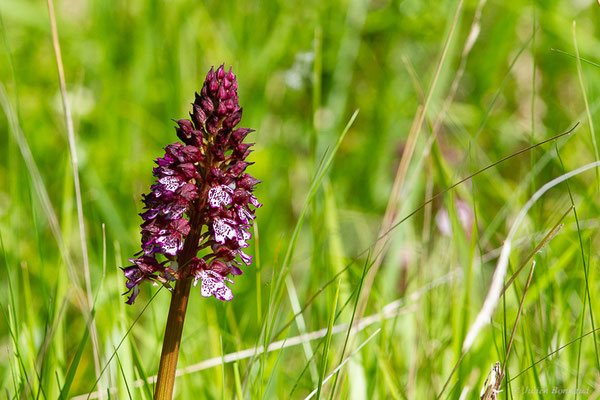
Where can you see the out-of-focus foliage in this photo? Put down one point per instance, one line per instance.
(303, 67)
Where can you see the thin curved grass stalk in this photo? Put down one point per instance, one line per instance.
(497, 285)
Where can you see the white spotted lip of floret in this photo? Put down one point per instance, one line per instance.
(213, 284)
(224, 229)
(170, 183)
(220, 195)
(170, 244)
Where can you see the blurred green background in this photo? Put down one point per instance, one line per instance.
(303, 68)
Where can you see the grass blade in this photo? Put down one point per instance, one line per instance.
(64, 392)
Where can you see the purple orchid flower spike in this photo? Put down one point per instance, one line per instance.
(200, 183)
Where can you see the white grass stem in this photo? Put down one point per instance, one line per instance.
(295, 303)
(310, 396)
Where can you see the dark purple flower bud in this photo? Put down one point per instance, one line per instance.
(207, 105)
(239, 167)
(198, 142)
(242, 150)
(188, 170)
(213, 86)
(190, 154)
(220, 268)
(221, 72)
(188, 192)
(225, 253)
(233, 119)
(221, 109)
(212, 124)
(221, 138)
(238, 135)
(217, 153)
(196, 265)
(222, 93)
(241, 196)
(173, 149)
(229, 105)
(184, 131)
(247, 182)
(165, 161)
(210, 76)
(180, 225)
(214, 176)
(199, 116)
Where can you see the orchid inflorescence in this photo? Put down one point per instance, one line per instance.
(201, 200)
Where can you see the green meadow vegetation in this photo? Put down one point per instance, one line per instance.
(364, 111)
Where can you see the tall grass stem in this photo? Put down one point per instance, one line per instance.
(75, 167)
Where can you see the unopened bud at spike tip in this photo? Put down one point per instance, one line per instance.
(221, 72)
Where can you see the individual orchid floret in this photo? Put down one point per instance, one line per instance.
(144, 268)
(202, 197)
(213, 284)
(220, 195)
